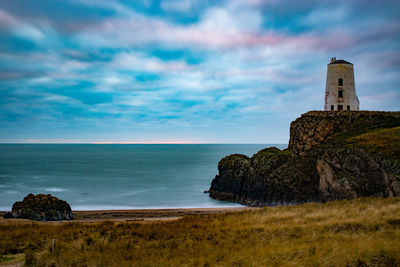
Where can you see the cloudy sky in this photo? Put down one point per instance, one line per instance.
(185, 71)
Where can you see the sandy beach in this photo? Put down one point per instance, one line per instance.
(138, 215)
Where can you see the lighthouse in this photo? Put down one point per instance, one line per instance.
(340, 91)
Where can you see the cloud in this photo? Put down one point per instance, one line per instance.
(177, 5)
(225, 71)
(217, 28)
(6, 20)
(140, 62)
(19, 28)
(231, 27)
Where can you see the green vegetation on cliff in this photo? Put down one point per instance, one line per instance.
(385, 142)
(362, 232)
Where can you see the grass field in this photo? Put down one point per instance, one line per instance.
(362, 232)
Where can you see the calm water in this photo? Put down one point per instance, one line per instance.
(115, 176)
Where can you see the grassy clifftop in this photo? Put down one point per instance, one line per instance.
(362, 232)
(385, 142)
(316, 128)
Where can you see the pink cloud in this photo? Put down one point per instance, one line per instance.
(139, 33)
(161, 142)
(235, 26)
(217, 29)
(6, 19)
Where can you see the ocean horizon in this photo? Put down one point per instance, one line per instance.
(116, 176)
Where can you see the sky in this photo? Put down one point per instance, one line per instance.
(89, 71)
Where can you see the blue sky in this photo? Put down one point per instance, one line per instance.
(87, 71)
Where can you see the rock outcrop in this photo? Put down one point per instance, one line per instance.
(270, 177)
(319, 127)
(352, 172)
(42, 207)
(319, 164)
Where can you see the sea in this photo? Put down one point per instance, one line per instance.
(116, 176)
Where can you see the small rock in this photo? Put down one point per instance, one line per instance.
(42, 207)
(8, 215)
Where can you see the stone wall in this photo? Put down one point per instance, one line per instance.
(318, 127)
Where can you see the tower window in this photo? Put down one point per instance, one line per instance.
(340, 107)
(340, 82)
(340, 93)
(332, 107)
(348, 107)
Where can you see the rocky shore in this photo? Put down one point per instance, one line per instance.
(331, 155)
(134, 215)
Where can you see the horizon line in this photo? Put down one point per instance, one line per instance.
(134, 143)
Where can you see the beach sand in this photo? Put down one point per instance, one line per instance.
(138, 215)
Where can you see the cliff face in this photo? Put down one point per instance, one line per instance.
(270, 177)
(319, 127)
(324, 161)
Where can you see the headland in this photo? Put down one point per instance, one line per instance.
(331, 155)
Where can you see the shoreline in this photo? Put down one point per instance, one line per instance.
(133, 215)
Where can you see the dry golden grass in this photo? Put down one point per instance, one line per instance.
(362, 232)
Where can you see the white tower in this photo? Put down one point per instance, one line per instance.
(340, 91)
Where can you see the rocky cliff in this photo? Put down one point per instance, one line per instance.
(331, 155)
(319, 127)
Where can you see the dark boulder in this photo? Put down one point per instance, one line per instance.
(8, 215)
(42, 207)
